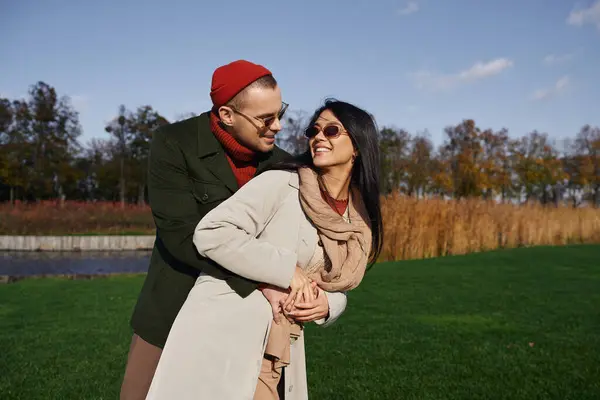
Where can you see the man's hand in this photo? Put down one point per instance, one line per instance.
(312, 310)
(276, 296)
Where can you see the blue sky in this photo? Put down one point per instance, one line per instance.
(418, 65)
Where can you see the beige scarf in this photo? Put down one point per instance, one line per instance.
(346, 248)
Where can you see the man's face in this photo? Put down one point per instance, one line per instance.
(256, 122)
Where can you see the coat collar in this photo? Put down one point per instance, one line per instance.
(213, 154)
(294, 180)
(207, 142)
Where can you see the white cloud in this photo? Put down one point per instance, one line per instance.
(553, 59)
(410, 8)
(590, 15)
(479, 70)
(484, 70)
(560, 86)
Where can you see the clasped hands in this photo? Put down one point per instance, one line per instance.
(303, 301)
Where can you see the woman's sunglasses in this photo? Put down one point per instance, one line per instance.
(330, 131)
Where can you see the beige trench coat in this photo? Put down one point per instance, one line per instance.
(215, 347)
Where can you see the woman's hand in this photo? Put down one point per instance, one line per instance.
(301, 285)
(309, 311)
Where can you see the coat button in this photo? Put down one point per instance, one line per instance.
(291, 387)
(205, 196)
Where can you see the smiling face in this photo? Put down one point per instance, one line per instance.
(255, 122)
(331, 148)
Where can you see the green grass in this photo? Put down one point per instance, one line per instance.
(517, 324)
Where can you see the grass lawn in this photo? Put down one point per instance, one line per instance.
(517, 324)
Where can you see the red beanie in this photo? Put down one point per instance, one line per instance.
(228, 80)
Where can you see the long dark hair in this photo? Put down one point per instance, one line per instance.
(365, 173)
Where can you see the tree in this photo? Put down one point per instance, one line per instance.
(6, 117)
(141, 125)
(587, 149)
(441, 175)
(15, 150)
(418, 168)
(538, 168)
(49, 127)
(132, 133)
(393, 145)
(6, 125)
(496, 164)
(103, 174)
(292, 138)
(117, 128)
(465, 152)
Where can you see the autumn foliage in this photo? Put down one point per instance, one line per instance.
(41, 157)
(476, 163)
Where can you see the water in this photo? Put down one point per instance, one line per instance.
(88, 262)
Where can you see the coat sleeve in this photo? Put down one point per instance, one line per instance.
(228, 233)
(337, 305)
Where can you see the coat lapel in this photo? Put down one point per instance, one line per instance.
(213, 156)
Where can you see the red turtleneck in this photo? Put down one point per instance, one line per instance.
(338, 205)
(242, 160)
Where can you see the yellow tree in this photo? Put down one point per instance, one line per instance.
(496, 163)
(441, 176)
(465, 153)
(538, 167)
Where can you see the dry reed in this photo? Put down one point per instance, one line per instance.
(434, 227)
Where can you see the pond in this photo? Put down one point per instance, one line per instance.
(16, 263)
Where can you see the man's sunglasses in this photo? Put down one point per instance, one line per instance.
(329, 131)
(267, 121)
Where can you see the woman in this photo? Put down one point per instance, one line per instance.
(316, 219)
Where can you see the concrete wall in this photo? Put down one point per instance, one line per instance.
(75, 243)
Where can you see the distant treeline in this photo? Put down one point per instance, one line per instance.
(41, 157)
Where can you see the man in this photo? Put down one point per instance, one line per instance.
(195, 165)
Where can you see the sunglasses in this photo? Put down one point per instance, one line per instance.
(269, 120)
(329, 131)
(266, 121)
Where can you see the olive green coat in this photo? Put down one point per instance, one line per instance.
(188, 176)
